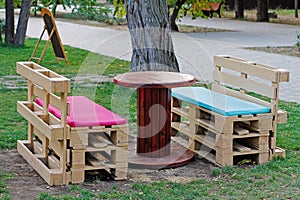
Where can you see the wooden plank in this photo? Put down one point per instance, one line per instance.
(224, 159)
(103, 137)
(156, 144)
(56, 146)
(77, 175)
(167, 132)
(175, 104)
(263, 158)
(279, 152)
(210, 120)
(281, 117)
(37, 147)
(99, 157)
(253, 151)
(120, 155)
(184, 128)
(121, 173)
(264, 123)
(97, 142)
(53, 132)
(52, 83)
(78, 138)
(120, 137)
(185, 143)
(240, 148)
(251, 68)
(78, 158)
(247, 84)
(259, 143)
(284, 75)
(250, 135)
(240, 131)
(141, 132)
(93, 161)
(188, 144)
(51, 176)
(183, 112)
(233, 93)
(206, 140)
(53, 162)
(108, 148)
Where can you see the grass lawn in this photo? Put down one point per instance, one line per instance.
(278, 179)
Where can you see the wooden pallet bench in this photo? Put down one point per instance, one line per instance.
(226, 125)
(68, 136)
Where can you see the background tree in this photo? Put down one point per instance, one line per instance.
(10, 36)
(149, 27)
(296, 8)
(239, 9)
(177, 5)
(22, 23)
(176, 9)
(2, 29)
(9, 22)
(262, 11)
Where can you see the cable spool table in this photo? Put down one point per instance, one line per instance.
(154, 148)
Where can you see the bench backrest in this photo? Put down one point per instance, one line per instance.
(45, 84)
(237, 77)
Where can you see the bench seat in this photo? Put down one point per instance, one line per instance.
(217, 102)
(84, 112)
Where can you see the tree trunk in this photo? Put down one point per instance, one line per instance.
(174, 15)
(296, 8)
(239, 9)
(150, 32)
(22, 23)
(262, 11)
(9, 22)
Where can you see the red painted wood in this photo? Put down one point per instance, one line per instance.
(168, 121)
(140, 117)
(164, 149)
(153, 112)
(154, 108)
(154, 115)
(147, 124)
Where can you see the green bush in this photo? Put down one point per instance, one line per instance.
(91, 10)
(298, 41)
(2, 29)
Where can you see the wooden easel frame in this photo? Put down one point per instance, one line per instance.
(54, 38)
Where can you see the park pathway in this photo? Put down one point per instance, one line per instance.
(195, 51)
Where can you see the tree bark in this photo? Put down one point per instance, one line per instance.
(9, 22)
(150, 32)
(174, 15)
(239, 9)
(296, 8)
(22, 23)
(262, 11)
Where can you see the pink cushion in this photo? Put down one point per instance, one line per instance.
(84, 112)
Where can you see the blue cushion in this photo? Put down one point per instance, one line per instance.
(217, 102)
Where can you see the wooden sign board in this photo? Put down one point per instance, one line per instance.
(54, 38)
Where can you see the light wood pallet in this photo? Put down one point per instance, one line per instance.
(52, 146)
(224, 139)
(99, 148)
(243, 135)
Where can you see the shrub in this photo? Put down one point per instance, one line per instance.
(298, 41)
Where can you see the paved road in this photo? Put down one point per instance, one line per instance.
(195, 51)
